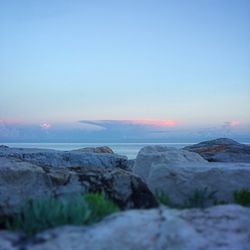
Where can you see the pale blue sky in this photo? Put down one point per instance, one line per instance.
(65, 61)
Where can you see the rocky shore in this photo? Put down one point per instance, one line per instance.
(192, 198)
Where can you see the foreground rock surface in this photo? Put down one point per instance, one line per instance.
(90, 157)
(179, 174)
(21, 180)
(217, 228)
(222, 150)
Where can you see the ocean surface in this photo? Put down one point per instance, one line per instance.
(128, 149)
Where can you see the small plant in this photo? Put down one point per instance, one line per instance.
(38, 215)
(200, 198)
(163, 199)
(242, 197)
(99, 207)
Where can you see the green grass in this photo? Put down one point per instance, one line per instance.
(163, 199)
(99, 207)
(200, 198)
(41, 214)
(242, 197)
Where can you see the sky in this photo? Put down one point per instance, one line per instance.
(124, 70)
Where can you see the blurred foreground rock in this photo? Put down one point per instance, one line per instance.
(217, 228)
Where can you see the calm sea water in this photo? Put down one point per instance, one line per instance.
(128, 149)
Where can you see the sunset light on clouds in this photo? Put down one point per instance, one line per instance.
(139, 108)
(163, 123)
(129, 67)
(119, 130)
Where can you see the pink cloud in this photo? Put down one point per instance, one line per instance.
(234, 123)
(45, 125)
(141, 122)
(158, 123)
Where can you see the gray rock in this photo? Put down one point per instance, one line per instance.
(223, 227)
(10, 240)
(150, 155)
(21, 180)
(55, 158)
(131, 164)
(179, 174)
(222, 150)
(98, 150)
(181, 182)
(217, 228)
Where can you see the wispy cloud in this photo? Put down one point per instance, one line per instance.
(119, 131)
(131, 123)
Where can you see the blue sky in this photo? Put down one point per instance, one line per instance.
(62, 62)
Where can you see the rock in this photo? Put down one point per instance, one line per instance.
(223, 227)
(98, 150)
(3, 146)
(10, 240)
(150, 155)
(131, 164)
(21, 180)
(217, 228)
(180, 183)
(222, 150)
(179, 174)
(56, 158)
(125, 189)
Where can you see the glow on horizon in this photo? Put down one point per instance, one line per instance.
(143, 122)
(167, 64)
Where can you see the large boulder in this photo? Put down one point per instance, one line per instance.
(212, 182)
(160, 154)
(22, 180)
(56, 158)
(216, 228)
(222, 150)
(180, 175)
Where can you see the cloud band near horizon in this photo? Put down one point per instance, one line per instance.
(120, 130)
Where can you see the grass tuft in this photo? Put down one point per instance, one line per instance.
(242, 197)
(41, 214)
(200, 198)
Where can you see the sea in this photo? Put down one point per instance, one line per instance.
(128, 149)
